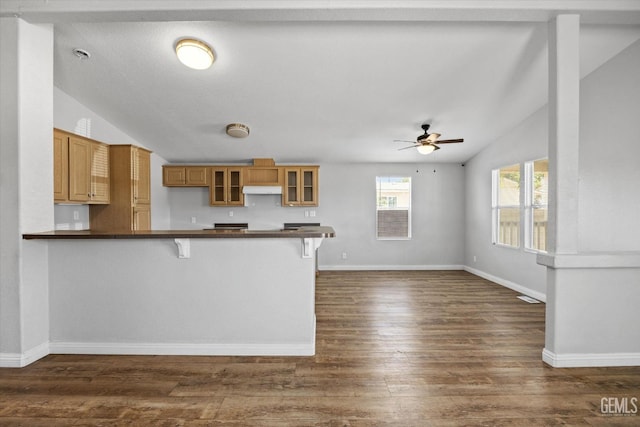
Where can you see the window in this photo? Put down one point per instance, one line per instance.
(536, 204)
(506, 206)
(393, 208)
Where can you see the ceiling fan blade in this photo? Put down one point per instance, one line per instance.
(432, 137)
(403, 140)
(448, 141)
(411, 146)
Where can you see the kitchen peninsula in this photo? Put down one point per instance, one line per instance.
(187, 292)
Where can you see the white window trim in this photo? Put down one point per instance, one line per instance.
(495, 207)
(410, 214)
(529, 207)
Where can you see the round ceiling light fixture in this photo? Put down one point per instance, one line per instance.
(194, 54)
(426, 149)
(237, 130)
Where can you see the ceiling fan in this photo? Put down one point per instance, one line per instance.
(428, 142)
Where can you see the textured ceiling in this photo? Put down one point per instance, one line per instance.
(317, 90)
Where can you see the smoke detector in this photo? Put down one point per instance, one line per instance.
(237, 130)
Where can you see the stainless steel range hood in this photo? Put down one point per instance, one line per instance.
(262, 189)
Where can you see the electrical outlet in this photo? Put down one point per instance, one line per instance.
(344, 255)
(230, 213)
(475, 258)
(193, 220)
(312, 213)
(76, 215)
(306, 213)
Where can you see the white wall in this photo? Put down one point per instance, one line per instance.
(26, 187)
(72, 116)
(593, 295)
(515, 268)
(227, 298)
(609, 196)
(347, 203)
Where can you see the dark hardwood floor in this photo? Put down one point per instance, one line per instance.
(415, 348)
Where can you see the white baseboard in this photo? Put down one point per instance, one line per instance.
(20, 360)
(182, 349)
(508, 284)
(588, 360)
(342, 267)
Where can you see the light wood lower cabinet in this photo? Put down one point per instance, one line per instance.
(130, 207)
(80, 169)
(225, 187)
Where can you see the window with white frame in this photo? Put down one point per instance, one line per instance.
(536, 204)
(393, 207)
(506, 206)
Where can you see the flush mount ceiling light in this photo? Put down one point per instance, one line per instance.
(194, 54)
(237, 130)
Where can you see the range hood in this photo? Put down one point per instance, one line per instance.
(262, 189)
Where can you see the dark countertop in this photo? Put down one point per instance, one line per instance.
(303, 232)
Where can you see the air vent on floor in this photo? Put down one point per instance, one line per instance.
(528, 299)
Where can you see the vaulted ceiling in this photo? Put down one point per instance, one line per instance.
(317, 81)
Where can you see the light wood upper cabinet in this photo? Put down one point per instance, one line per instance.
(141, 218)
(226, 186)
(60, 167)
(301, 186)
(185, 176)
(263, 172)
(80, 169)
(130, 207)
(100, 185)
(141, 173)
(299, 183)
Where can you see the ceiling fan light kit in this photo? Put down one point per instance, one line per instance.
(238, 130)
(194, 54)
(426, 149)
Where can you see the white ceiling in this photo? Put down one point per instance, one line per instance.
(313, 89)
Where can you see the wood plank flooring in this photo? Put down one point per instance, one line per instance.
(403, 348)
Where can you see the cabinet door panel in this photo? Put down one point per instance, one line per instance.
(218, 187)
(173, 176)
(79, 169)
(196, 176)
(142, 180)
(291, 191)
(99, 173)
(60, 167)
(141, 218)
(309, 186)
(235, 187)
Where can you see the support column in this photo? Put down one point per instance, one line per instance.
(26, 188)
(591, 296)
(564, 125)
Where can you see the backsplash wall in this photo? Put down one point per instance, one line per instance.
(190, 210)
